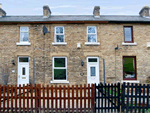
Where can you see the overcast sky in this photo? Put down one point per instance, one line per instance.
(73, 7)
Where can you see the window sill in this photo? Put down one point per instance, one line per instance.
(129, 44)
(130, 81)
(59, 43)
(60, 81)
(92, 43)
(23, 43)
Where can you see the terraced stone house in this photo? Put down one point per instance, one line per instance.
(69, 49)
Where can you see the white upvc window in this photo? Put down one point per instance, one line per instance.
(59, 34)
(59, 69)
(24, 34)
(91, 34)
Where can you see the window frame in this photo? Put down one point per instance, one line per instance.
(24, 32)
(23, 57)
(59, 68)
(132, 41)
(55, 40)
(135, 71)
(92, 34)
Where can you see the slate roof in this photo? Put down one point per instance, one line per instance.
(110, 18)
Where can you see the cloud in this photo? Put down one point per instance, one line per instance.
(55, 7)
(63, 6)
(88, 8)
(59, 13)
(105, 8)
(37, 9)
(112, 8)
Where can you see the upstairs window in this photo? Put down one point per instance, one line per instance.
(59, 34)
(24, 34)
(128, 34)
(91, 34)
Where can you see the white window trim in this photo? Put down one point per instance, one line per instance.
(59, 81)
(59, 43)
(23, 57)
(148, 44)
(55, 41)
(130, 44)
(23, 43)
(24, 32)
(130, 81)
(92, 43)
(91, 33)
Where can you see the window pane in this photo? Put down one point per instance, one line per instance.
(91, 29)
(24, 29)
(23, 71)
(59, 62)
(91, 38)
(24, 36)
(128, 34)
(92, 71)
(92, 59)
(60, 38)
(59, 29)
(23, 59)
(129, 71)
(59, 74)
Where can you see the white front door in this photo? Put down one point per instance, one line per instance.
(92, 70)
(23, 70)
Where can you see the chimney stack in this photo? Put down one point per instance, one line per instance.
(96, 12)
(145, 11)
(46, 11)
(2, 12)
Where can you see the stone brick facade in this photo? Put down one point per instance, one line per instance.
(41, 48)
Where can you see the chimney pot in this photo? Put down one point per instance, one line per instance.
(145, 11)
(96, 12)
(46, 11)
(2, 12)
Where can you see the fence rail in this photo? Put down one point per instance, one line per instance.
(47, 99)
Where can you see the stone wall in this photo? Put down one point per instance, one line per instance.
(41, 48)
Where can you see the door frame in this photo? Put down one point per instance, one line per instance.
(18, 67)
(97, 67)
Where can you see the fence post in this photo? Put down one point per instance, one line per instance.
(19, 98)
(119, 97)
(38, 97)
(95, 99)
(0, 96)
(123, 97)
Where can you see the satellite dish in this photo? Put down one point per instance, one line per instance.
(45, 30)
(116, 48)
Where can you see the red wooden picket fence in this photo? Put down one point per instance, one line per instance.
(47, 99)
